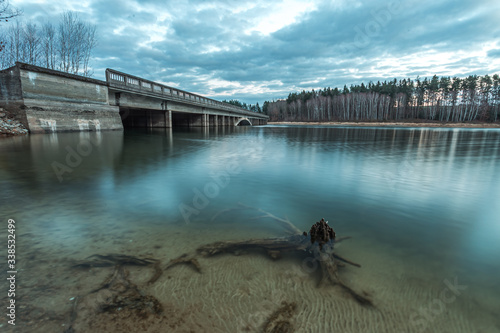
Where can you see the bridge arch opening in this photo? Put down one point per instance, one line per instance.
(244, 122)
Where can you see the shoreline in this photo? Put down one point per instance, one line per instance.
(9, 126)
(391, 124)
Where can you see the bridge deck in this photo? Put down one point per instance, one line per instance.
(128, 83)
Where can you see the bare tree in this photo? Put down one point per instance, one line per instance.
(6, 13)
(15, 43)
(31, 44)
(67, 47)
(65, 32)
(90, 42)
(48, 46)
(77, 40)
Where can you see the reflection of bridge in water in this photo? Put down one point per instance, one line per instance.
(145, 103)
(46, 100)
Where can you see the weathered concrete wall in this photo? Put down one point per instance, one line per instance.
(66, 118)
(10, 86)
(135, 101)
(178, 107)
(52, 101)
(50, 85)
(11, 94)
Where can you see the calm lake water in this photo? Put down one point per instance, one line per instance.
(422, 205)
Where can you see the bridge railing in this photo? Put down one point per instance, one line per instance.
(130, 82)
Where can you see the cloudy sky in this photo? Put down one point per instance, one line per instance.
(262, 50)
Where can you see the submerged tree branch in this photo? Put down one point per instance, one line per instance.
(319, 242)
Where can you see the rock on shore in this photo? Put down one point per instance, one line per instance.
(10, 126)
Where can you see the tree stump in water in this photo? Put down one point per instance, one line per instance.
(319, 235)
(322, 233)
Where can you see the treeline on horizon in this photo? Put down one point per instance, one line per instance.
(249, 107)
(442, 99)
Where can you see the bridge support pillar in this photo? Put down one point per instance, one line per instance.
(168, 119)
(149, 119)
(204, 120)
(216, 121)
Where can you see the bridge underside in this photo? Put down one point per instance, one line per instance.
(135, 117)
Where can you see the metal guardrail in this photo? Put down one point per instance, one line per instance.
(134, 83)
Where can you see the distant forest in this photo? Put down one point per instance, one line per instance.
(249, 107)
(475, 98)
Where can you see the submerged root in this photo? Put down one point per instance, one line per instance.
(272, 245)
(157, 274)
(320, 242)
(185, 259)
(127, 295)
(280, 320)
(120, 293)
(108, 260)
(336, 256)
(116, 297)
(329, 270)
(119, 260)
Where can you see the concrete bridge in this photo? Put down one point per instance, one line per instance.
(46, 100)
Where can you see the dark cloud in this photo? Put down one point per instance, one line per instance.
(494, 53)
(196, 43)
